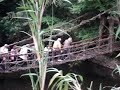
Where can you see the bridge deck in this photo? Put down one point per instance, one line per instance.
(79, 51)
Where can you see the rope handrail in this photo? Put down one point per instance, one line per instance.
(49, 57)
(87, 40)
(75, 52)
(72, 46)
(73, 55)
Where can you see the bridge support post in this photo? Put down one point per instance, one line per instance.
(111, 33)
(101, 28)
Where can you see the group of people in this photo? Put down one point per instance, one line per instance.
(16, 52)
(57, 46)
(23, 52)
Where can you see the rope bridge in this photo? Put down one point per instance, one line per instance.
(78, 51)
(81, 50)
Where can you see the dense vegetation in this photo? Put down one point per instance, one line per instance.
(61, 12)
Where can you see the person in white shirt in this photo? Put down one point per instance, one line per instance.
(4, 49)
(4, 52)
(57, 44)
(23, 52)
(57, 48)
(47, 49)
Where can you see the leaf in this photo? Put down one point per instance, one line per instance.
(81, 78)
(55, 84)
(118, 68)
(65, 86)
(118, 31)
(67, 1)
(26, 33)
(75, 76)
(79, 1)
(118, 55)
(69, 80)
(91, 84)
(61, 31)
(100, 87)
(1, 0)
(54, 77)
(60, 84)
(52, 70)
(41, 33)
(25, 18)
(29, 74)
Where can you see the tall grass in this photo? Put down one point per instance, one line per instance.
(32, 11)
(64, 82)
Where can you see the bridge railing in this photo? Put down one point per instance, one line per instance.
(89, 40)
(74, 52)
(82, 48)
(72, 48)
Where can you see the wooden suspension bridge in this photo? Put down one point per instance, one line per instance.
(75, 52)
(80, 50)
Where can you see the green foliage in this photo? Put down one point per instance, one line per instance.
(10, 29)
(118, 32)
(116, 70)
(32, 11)
(87, 32)
(82, 6)
(1, 0)
(48, 20)
(65, 82)
(62, 3)
(91, 85)
(77, 8)
(62, 12)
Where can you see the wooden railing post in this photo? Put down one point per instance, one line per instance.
(84, 46)
(111, 33)
(101, 28)
(52, 55)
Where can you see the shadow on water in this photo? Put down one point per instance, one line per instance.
(89, 71)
